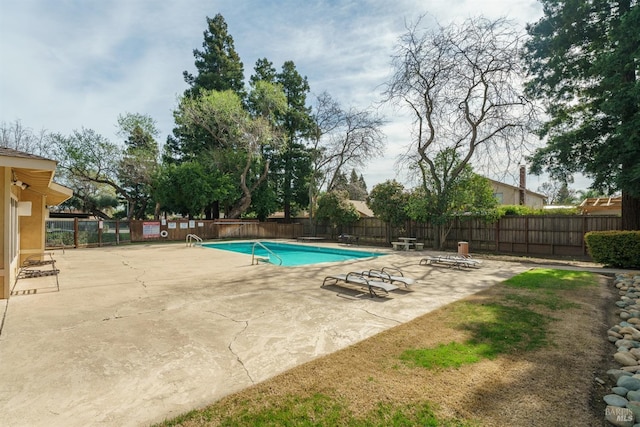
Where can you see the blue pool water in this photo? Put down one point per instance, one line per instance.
(292, 254)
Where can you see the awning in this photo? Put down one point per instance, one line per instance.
(36, 174)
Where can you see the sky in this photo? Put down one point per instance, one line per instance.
(69, 64)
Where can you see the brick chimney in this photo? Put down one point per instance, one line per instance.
(523, 184)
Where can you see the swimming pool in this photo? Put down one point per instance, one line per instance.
(290, 254)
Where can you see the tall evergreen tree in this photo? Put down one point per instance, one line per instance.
(218, 64)
(584, 60)
(263, 71)
(218, 68)
(296, 160)
(290, 166)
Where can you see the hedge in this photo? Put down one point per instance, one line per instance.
(614, 248)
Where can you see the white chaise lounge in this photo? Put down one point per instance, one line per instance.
(356, 278)
(451, 261)
(390, 275)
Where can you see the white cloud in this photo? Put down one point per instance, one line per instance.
(70, 64)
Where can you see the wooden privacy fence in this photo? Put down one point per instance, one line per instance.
(541, 235)
(212, 229)
(546, 235)
(76, 232)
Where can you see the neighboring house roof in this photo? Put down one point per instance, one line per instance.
(362, 208)
(36, 172)
(552, 207)
(602, 205)
(515, 188)
(280, 214)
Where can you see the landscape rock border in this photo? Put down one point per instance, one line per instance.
(623, 403)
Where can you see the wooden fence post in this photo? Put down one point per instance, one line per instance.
(75, 232)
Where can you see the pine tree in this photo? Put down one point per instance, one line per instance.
(583, 61)
(218, 64)
(218, 68)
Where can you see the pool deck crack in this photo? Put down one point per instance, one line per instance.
(238, 359)
(381, 317)
(235, 337)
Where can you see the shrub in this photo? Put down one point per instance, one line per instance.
(520, 210)
(614, 248)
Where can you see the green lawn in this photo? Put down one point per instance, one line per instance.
(515, 320)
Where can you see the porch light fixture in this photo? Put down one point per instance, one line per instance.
(20, 184)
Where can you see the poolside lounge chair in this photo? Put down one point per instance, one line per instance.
(389, 274)
(355, 278)
(451, 261)
(32, 267)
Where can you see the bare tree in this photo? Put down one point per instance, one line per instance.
(343, 140)
(462, 85)
(15, 135)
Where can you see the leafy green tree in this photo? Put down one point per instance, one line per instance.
(290, 166)
(336, 208)
(87, 160)
(264, 201)
(466, 194)
(566, 196)
(90, 197)
(462, 85)
(589, 194)
(388, 201)
(583, 59)
(239, 136)
(218, 68)
(139, 163)
(144, 125)
(189, 187)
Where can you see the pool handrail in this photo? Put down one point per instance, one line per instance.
(253, 250)
(193, 240)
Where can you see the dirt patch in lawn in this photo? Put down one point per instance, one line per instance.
(552, 386)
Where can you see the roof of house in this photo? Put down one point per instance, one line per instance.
(36, 172)
(10, 152)
(362, 208)
(515, 188)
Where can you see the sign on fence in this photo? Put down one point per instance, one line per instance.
(150, 230)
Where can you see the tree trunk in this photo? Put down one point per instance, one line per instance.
(287, 212)
(630, 212)
(244, 202)
(240, 207)
(437, 243)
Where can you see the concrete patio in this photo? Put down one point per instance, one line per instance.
(141, 333)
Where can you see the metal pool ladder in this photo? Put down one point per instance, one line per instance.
(193, 240)
(258, 259)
